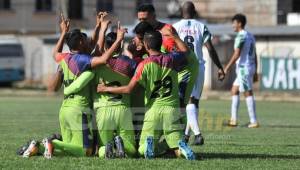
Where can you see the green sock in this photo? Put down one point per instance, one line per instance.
(69, 148)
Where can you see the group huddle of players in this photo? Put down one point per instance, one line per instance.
(102, 84)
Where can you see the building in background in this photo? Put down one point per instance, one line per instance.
(35, 22)
(41, 16)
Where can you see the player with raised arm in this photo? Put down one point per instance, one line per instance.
(75, 114)
(195, 34)
(245, 58)
(113, 114)
(158, 75)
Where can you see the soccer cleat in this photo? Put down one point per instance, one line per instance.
(109, 154)
(186, 151)
(232, 123)
(199, 140)
(48, 153)
(120, 152)
(149, 151)
(253, 125)
(22, 149)
(31, 150)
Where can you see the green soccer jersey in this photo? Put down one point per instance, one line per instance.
(117, 72)
(158, 75)
(73, 65)
(106, 75)
(191, 66)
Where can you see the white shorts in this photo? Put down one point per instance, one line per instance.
(198, 87)
(244, 78)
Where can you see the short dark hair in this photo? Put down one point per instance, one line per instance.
(240, 18)
(153, 39)
(143, 27)
(73, 38)
(110, 38)
(146, 8)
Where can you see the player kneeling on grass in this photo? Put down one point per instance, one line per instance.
(113, 114)
(158, 75)
(75, 114)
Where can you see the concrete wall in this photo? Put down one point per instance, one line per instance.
(259, 12)
(23, 18)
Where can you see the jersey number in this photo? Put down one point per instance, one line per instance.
(251, 49)
(166, 84)
(114, 96)
(189, 40)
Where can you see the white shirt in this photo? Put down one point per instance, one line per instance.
(194, 34)
(245, 41)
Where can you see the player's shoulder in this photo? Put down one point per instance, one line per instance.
(82, 56)
(61, 56)
(242, 34)
(250, 34)
(123, 65)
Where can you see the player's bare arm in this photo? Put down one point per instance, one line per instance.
(56, 81)
(215, 58)
(64, 28)
(104, 26)
(103, 59)
(181, 46)
(255, 77)
(118, 90)
(95, 34)
(233, 59)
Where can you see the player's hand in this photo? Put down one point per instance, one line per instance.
(101, 88)
(167, 32)
(221, 74)
(105, 21)
(255, 77)
(64, 24)
(121, 32)
(98, 19)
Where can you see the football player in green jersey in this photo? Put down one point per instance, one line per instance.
(158, 75)
(113, 112)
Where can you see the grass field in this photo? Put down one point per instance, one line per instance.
(275, 145)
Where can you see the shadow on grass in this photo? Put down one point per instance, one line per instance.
(244, 156)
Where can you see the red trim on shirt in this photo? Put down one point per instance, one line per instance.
(60, 56)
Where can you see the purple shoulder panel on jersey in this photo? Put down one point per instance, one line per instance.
(123, 65)
(78, 63)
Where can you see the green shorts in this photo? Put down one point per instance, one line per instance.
(161, 121)
(117, 120)
(75, 124)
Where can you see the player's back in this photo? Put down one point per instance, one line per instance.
(158, 75)
(117, 72)
(246, 41)
(194, 34)
(73, 65)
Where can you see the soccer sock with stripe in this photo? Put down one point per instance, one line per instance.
(192, 115)
(235, 106)
(251, 109)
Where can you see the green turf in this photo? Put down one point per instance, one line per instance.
(273, 146)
